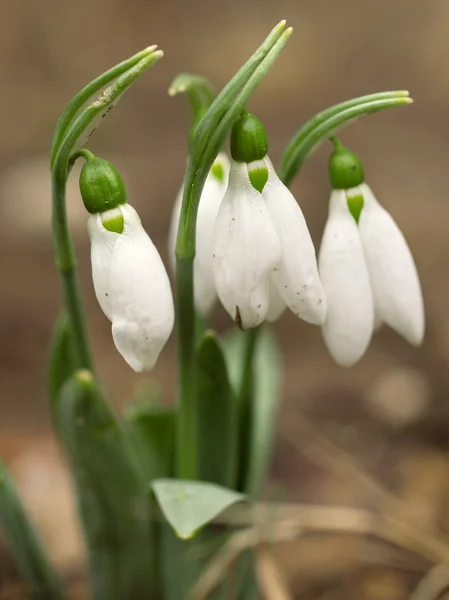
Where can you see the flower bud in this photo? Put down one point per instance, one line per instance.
(248, 139)
(345, 168)
(101, 186)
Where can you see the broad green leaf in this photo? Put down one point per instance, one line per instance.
(217, 415)
(61, 356)
(265, 401)
(189, 505)
(41, 579)
(151, 429)
(111, 494)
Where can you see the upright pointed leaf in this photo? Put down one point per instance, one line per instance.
(266, 396)
(110, 492)
(152, 431)
(217, 414)
(61, 356)
(42, 581)
(189, 505)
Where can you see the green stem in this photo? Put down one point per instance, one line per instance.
(187, 423)
(245, 402)
(66, 264)
(208, 140)
(317, 129)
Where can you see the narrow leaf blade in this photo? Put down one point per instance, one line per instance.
(41, 578)
(111, 495)
(217, 413)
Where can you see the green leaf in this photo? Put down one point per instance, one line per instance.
(189, 505)
(111, 494)
(152, 430)
(265, 399)
(61, 357)
(42, 581)
(217, 414)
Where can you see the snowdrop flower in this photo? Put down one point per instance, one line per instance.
(130, 280)
(213, 192)
(366, 267)
(264, 258)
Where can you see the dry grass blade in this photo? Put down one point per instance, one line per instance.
(435, 582)
(270, 579)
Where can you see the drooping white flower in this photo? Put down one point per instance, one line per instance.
(132, 286)
(394, 278)
(349, 324)
(366, 267)
(211, 197)
(246, 250)
(296, 276)
(264, 258)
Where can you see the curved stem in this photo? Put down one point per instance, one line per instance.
(319, 127)
(209, 138)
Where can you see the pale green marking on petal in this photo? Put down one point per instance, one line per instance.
(217, 171)
(355, 205)
(258, 178)
(112, 220)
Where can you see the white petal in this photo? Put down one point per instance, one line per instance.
(246, 249)
(394, 278)
(276, 304)
(102, 247)
(141, 298)
(297, 275)
(213, 192)
(350, 313)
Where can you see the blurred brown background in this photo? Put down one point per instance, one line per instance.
(390, 411)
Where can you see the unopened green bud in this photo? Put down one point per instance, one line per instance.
(248, 139)
(101, 186)
(345, 168)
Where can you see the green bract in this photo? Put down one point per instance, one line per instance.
(345, 168)
(101, 186)
(248, 139)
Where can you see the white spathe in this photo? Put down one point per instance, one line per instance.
(132, 288)
(211, 197)
(349, 323)
(246, 250)
(394, 279)
(296, 276)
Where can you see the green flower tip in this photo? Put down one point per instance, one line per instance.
(345, 168)
(101, 186)
(248, 139)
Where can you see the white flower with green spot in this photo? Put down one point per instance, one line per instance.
(264, 258)
(130, 280)
(366, 267)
